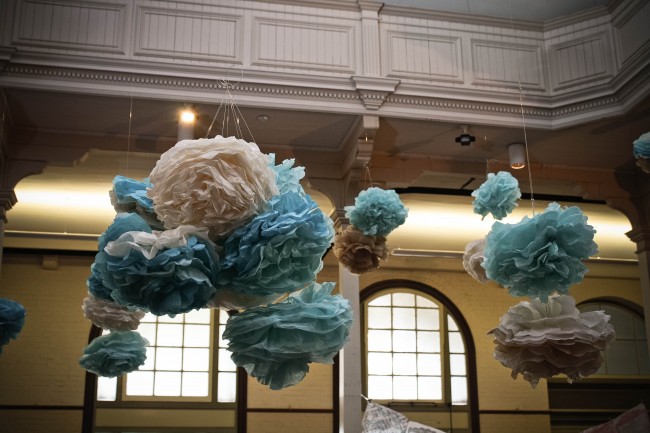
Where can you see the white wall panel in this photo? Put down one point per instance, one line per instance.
(89, 26)
(188, 35)
(303, 45)
(580, 61)
(506, 64)
(425, 56)
(633, 32)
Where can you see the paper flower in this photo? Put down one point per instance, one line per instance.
(130, 195)
(115, 354)
(170, 272)
(376, 212)
(498, 195)
(12, 319)
(95, 286)
(287, 176)
(541, 340)
(473, 259)
(111, 316)
(358, 252)
(276, 343)
(280, 250)
(641, 151)
(218, 183)
(542, 254)
(123, 222)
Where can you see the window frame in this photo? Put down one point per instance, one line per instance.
(447, 308)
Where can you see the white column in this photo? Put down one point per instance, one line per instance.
(350, 359)
(370, 37)
(7, 200)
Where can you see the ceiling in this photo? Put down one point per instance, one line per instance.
(515, 9)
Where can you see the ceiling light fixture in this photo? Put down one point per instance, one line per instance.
(517, 153)
(262, 117)
(186, 122)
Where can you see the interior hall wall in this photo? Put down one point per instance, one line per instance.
(42, 384)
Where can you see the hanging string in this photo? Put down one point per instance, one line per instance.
(128, 136)
(230, 111)
(487, 166)
(523, 119)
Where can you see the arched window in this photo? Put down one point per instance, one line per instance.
(419, 353)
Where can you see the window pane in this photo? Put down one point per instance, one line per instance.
(451, 324)
(151, 359)
(405, 387)
(198, 316)
(639, 328)
(227, 384)
(380, 363)
(403, 300)
(170, 335)
(404, 341)
(197, 335)
(167, 384)
(456, 343)
(169, 358)
(622, 322)
(429, 388)
(620, 358)
(139, 383)
(195, 384)
(457, 365)
(166, 319)
(380, 387)
(644, 361)
(421, 301)
(106, 388)
(148, 331)
(429, 342)
(380, 301)
(225, 362)
(459, 390)
(148, 317)
(380, 341)
(403, 318)
(196, 360)
(222, 342)
(429, 365)
(428, 319)
(379, 317)
(404, 363)
(223, 317)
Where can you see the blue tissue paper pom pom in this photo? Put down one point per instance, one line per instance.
(497, 195)
(123, 222)
(280, 250)
(542, 254)
(642, 146)
(95, 285)
(376, 212)
(287, 176)
(130, 195)
(169, 282)
(132, 192)
(115, 354)
(12, 319)
(276, 343)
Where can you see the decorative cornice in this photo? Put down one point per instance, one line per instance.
(7, 201)
(641, 237)
(374, 93)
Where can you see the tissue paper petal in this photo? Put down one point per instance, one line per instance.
(498, 195)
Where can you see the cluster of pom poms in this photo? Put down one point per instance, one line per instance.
(641, 151)
(216, 225)
(12, 320)
(498, 195)
(540, 340)
(362, 245)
